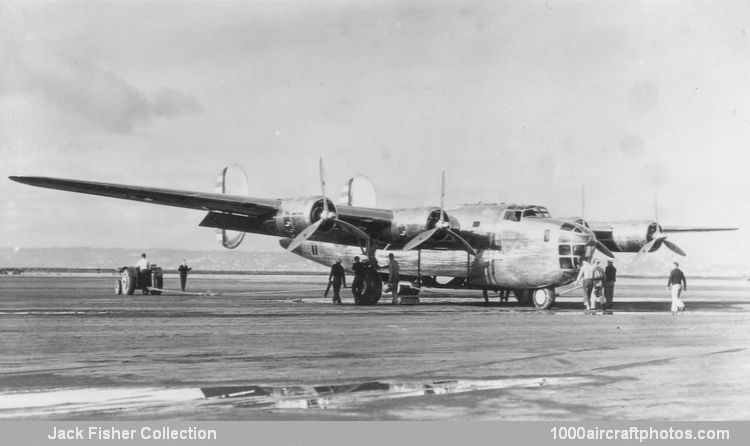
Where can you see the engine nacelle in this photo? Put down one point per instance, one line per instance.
(630, 236)
(408, 223)
(295, 214)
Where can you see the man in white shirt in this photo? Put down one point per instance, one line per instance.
(586, 278)
(143, 269)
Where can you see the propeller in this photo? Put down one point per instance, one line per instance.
(599, 245)
(657, 239)
(326, 216)
(604, 250)
(442, 226)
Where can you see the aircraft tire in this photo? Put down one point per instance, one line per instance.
(158, 283)
(128, 280)
(544, 298)
(118, 287)
(372, 288)
(524, 297)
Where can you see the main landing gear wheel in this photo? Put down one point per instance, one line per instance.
(118, 287)
(523, 297)
(372, 288)
(544, 298)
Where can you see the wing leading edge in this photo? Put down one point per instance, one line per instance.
(256, 207)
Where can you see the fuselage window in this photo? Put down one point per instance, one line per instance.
(475, 224)
(566, 263)
(513, 215)
(546, 235)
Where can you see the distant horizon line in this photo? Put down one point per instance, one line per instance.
(20, 248)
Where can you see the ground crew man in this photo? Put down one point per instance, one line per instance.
(336, 278)
(610, 276)
(393, 273)
(143, 273)
(677, 284)
(586, 279)
(183, 269)
(359, 275)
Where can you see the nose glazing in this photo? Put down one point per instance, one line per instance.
(576, 243)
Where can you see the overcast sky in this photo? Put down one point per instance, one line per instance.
(518, 101)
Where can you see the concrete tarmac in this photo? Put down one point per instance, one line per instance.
(272, 348)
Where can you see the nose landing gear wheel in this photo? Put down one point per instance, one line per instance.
(544, 298)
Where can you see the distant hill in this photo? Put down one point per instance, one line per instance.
(226, 260)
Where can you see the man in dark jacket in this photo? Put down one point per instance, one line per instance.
(677, 284)
(610, 276)
(359, 273)
(183, 269)
(337, 277)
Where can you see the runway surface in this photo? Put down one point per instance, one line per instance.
(272, 348)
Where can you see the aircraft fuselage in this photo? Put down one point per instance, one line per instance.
(529, 253)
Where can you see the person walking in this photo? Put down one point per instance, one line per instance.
(393, 276)
(183, 269)
(586, 280)
(598, 286)
(143, 273)
(358, 268)
(336, 278)
(677, 284)
(610, 276)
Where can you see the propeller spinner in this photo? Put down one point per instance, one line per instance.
(326, 216)
(658, 237)
(442, 227)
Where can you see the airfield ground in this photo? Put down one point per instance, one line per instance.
(272, 348)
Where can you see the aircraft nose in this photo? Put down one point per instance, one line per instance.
(576, 243)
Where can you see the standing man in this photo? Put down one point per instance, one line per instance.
(359, 273)
(598, 285)
(586, 279)
(143, 272)
(677, 284)
(337, 277)
(183, 269)
(393, 273)
(610, 276)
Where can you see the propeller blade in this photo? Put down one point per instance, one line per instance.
(304, 235)
(442, 198)
(460, 240)
(419, 239)
(646, 248)
(674, 248)
(604, 250)
(348, 227)
(323, 186)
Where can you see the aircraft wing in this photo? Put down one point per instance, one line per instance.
(603, 230)
(230, 212)
(642, 236)
(256, 207)
(694, 229)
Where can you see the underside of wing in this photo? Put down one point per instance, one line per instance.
(169, 197)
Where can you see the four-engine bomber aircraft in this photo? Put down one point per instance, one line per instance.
(496, 247)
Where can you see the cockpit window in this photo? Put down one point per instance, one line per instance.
(517, 213)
